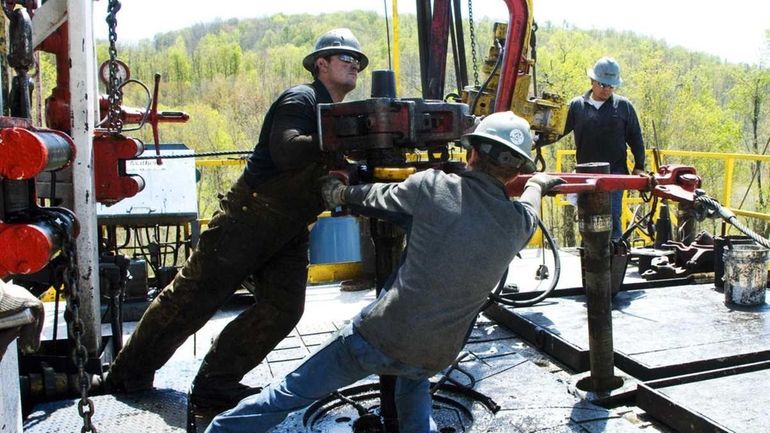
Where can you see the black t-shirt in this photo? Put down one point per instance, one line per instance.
(288, 139)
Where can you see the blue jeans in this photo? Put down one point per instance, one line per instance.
(616, 206)
(342, 361)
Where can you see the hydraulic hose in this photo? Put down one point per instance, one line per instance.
(496, 294)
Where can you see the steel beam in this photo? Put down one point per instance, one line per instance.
(83, 109)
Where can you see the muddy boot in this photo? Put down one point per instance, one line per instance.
(111, 383)
(218, 396)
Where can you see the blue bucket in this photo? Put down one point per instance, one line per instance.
(335, 240)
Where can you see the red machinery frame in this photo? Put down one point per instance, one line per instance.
(675, 182)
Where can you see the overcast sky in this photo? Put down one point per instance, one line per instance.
(734, 30)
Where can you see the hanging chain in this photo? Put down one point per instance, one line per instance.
(76, 330)
(75, 327)
(473, 45)
(115, 94)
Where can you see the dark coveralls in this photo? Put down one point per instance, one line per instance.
(602, 135)
(260, 230)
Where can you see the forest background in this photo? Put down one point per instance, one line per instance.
(225, 75)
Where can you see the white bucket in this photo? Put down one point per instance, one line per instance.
(745, 274)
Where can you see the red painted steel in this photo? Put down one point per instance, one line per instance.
(512, 58)
(112, 184)
(24, 153)
(676, 182)
(24, 248)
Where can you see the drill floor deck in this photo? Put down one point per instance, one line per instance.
(534, 394)
(659, 332)
(734, 399)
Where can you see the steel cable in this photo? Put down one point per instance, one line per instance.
(713, 209)
(197, 155)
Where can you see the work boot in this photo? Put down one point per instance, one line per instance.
(220, 396)
(110, 383)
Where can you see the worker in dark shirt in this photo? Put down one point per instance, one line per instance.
(260, 231)
(604, 124)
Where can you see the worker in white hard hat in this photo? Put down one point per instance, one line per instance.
(419, 323)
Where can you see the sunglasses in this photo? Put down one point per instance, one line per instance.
(347, 58)
(605, 86)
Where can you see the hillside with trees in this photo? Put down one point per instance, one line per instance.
(225, 74)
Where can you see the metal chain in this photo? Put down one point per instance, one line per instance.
(115, 94)
(474, 60)
(75, 328)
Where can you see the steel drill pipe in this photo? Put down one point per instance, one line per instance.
(595, 224)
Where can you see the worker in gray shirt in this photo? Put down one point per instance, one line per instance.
(464, 232)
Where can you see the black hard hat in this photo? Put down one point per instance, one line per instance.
(335, 42)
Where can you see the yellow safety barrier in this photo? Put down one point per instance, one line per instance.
(218, 162)
(50, 295)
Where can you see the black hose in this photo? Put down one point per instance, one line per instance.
(495, 295)
(500, 52)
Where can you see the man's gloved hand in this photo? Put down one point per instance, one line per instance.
(332, 190)
(545, 139)
(544, 182)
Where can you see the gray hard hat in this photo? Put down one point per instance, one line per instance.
(506, 138)
(336, 41)
(606, 71)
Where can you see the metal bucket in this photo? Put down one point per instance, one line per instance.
(720, 242)
(745, 278)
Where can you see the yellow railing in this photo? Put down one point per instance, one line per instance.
(218, 162)
(729, 160)
(563, 155)
(455, 154)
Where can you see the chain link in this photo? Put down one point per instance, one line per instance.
(474, 60)
(115, 93)
(76, 330)
(65, 226)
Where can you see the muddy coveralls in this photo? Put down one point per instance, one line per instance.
(260, 230)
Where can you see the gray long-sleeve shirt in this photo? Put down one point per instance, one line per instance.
(464, 233)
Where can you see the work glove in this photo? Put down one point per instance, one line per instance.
(545, 139)
(332, 190)
(544, 182)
